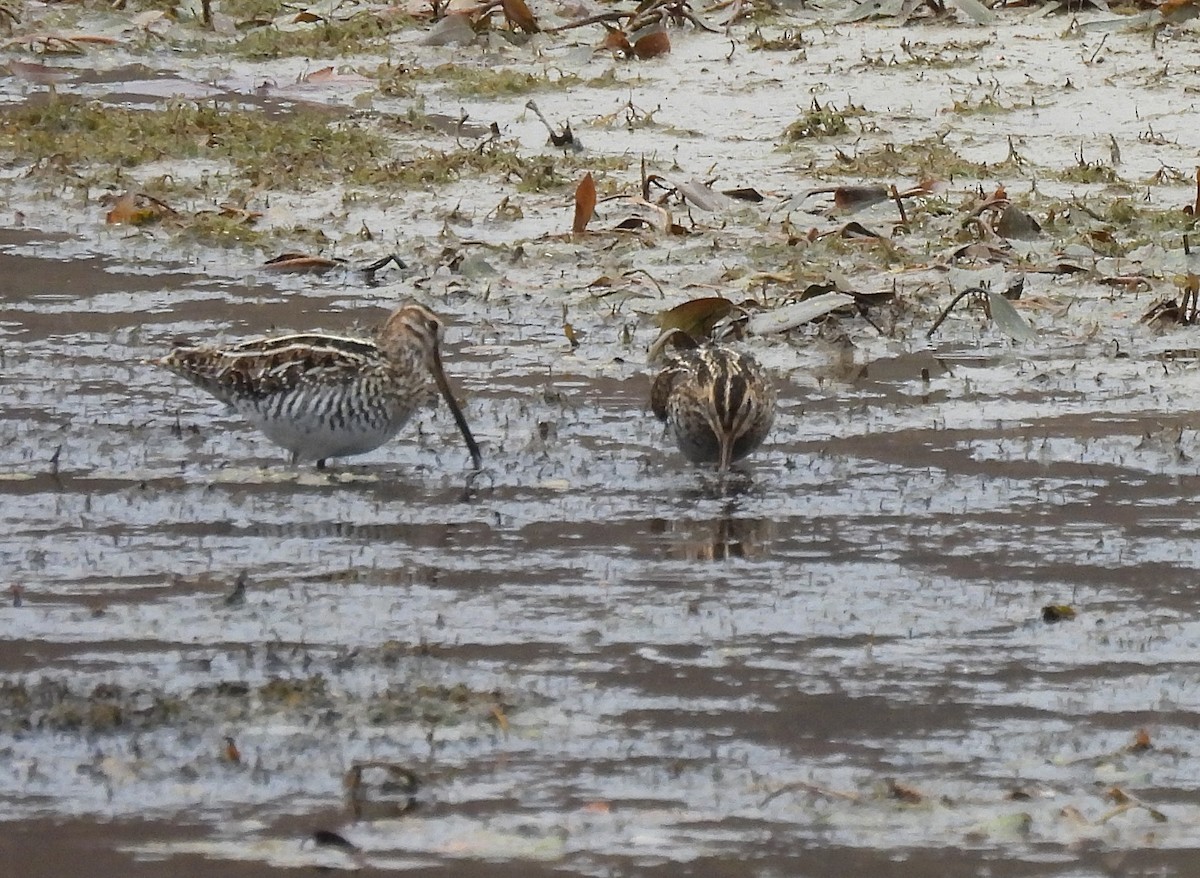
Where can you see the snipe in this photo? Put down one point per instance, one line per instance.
(322, 396)
(716, 401)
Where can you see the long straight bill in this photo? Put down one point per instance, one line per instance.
(439, 377)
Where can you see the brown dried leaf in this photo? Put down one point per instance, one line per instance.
(858, 197)
(745, 193)
(133, 209)
(519, 16)
(855, 229)
(1178, 11)
(301, 263)
(697, 317)
(1141, 742)
(903, 792)
(585, 203)
(325, 74)
(1016, 223)
(652, 45)
(240, 214)
(654, 216)
(1118, 796)
(616, 41)
(1052, 613)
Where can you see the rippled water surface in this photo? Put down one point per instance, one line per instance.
(593, 656)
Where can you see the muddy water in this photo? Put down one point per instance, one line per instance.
(596, 659)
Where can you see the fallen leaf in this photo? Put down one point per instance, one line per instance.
(697, 317)
(975, 10)
(301, 263)
(519, 16)
(702, 195)
(136, 209)
(906, 794)
(1016, 223)
(855, 229)
(323, 75)
(652, 45)
(653, 215)
(745, 193)
(1117, 796)
(1141, 742)
(616, 41)
(1007, 320)
(857, 197)
(585, 203)
(328, 838)
(1057, 613)
(453, 28)
(239, 214)
(790, 316)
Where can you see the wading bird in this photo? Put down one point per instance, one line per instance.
(322, 396)
(716, 401)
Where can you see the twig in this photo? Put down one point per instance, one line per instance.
(946, 311)
(591, 19)
(899, 205)
(810, 788)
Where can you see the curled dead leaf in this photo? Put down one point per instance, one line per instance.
(585, 203)
(697, 317)
(652, 45)
(903, 792)
(1016, 223)
(616, 41)
(857, 197)
(301, 263)
(519, 16)
(137, 209)
(1052, 613)
(1141, 742)
(325, 74)
(744, 193)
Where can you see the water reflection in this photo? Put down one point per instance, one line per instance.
(726, 536)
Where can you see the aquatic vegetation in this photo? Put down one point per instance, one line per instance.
(471, 81)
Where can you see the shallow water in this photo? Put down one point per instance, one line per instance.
(596, 658)
(691, 670)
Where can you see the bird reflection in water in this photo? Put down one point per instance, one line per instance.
(716, 539)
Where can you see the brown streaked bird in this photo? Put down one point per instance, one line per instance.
(716, 401)
(322, 396)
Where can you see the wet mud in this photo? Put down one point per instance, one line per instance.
(591, 657)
